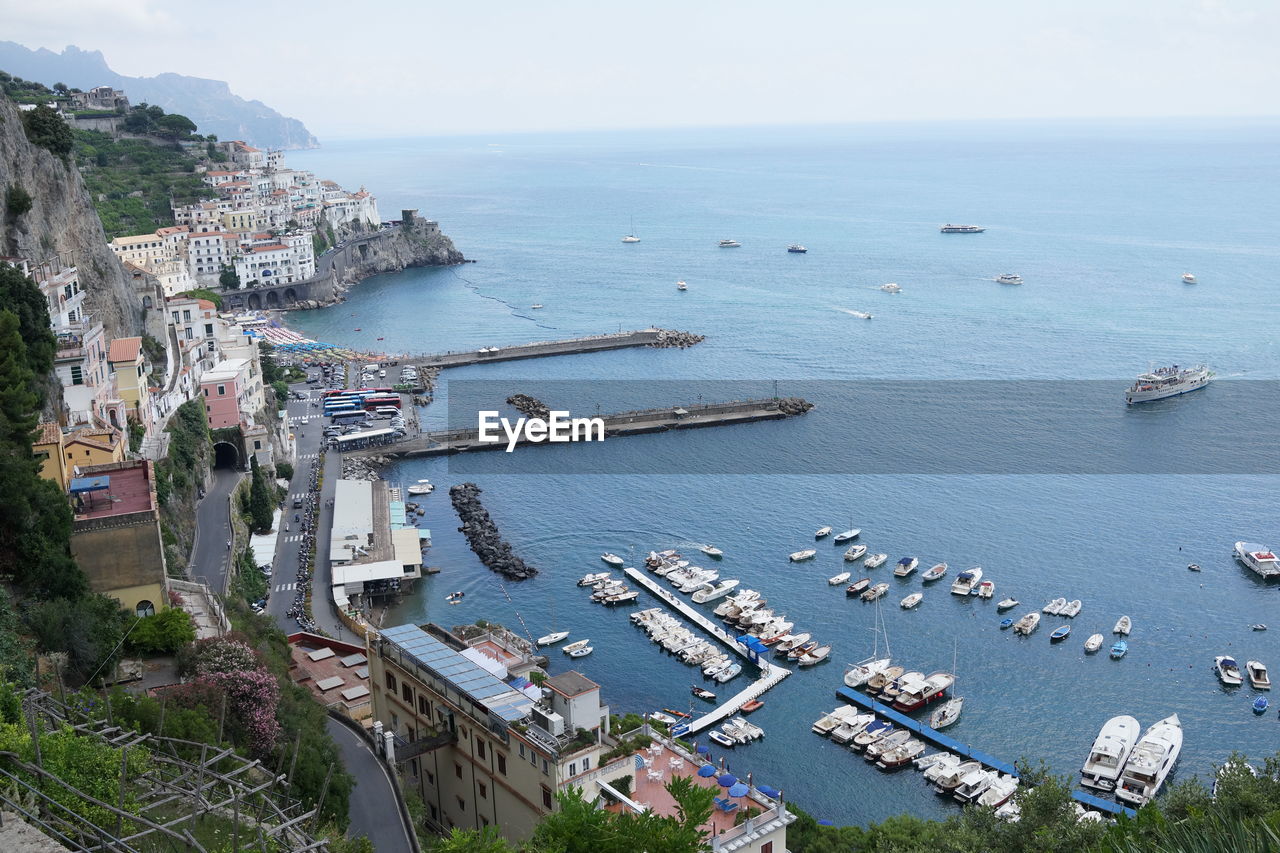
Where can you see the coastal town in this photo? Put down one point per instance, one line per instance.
(227, 624)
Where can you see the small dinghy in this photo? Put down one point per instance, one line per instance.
(1060, 634)
(1006, 603)
(839, 579)
(1119, 650)
(1092, 644)
(1006, 623)
(1123, 626)
(798, 556)
(911, 600)
(1260, 705)
(612, 559)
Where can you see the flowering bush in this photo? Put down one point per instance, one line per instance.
(219, 654)
(229, 670)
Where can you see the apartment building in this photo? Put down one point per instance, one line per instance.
(233, 393)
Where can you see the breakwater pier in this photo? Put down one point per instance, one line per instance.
(639, 422)
(652, 337)
(770, 673)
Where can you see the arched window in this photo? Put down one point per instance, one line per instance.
(145, 608)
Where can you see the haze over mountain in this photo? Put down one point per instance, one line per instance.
(209, 103)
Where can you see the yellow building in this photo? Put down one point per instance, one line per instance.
(127, 365)
(62, 454)
(48, 449)
(240, 220)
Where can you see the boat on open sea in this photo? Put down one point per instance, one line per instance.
(966, 581)
(934, 573)
(905, 566)
(612, 559)
(552, 638)
(1092, 644)
(680, 285)
(1258, 558)
(962, 229)
(1109, 752)
(796, 249)
(1188, 278)
(854, 552)
(846, 535)
(891, 287)
(798, 556)
(729, 244)
(821, 532)
(1009, 278)
(1150, 762)
(875, 561)
(1165, 382)
(1006, 603)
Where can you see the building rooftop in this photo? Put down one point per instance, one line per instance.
(468, 677)
(345, 664)
(113, 490)
(571, 683)
(47, 433)
(124, 349)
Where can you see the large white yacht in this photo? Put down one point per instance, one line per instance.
(1259, 558)
(1150, 762)
(1167, 382)
(1109, 752)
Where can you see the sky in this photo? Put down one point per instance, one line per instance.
(393, 68)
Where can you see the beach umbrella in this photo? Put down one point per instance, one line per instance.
(768, 791)
(703, 750)
(706, 771)
(726, 780)
(738, 789)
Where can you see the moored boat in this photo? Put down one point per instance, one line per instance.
(552, 638)
(934, 572)
(947, 713)
(1258, 558)
(703, 693)
(815, 656)
(875, 561)
(911, 600)
(947, 781)
(999, 792)
(966, 581)
(1228, 671)
(1027, 624)
(711, 591)
(902, 755)
(753, 705)
(806, 554)
(1006, 623)
(612, 559)
(886, 743)
(593, 579)
(1119, 649)
(839, 579)
(905, 566)
(857, 586)
(1060, 634)
(875, 592)
(1123, 625)
(1109, 752)
(822, 532)
(846, 535)
(854, 552)
(1092, 644)
(1260, 705)
(1072, 609)
(872, 733)
(1150, 762)
(987, 589)
(575, 646)
(721, 738)
(972, 786)
(582, 652)
(1258, 677)
(1054, 608)
(1007, 603)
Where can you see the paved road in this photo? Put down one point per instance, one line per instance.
(372, 808)
(210, 556)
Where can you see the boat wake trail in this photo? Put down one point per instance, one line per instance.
(475, 288)
(860, 314)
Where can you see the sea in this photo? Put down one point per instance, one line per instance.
(967, 421)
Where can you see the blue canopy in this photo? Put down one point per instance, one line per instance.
(703, 749)
(769, 791)
(706, 771)
(90, 484)
(727, 779)
(738, 789)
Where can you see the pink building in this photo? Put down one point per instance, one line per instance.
(223, 388)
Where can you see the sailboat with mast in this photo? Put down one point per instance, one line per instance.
(949, 712)
(631, 235)
(857, 674)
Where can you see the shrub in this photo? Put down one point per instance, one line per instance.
(17, 200)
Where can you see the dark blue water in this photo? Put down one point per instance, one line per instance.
(1101, 220)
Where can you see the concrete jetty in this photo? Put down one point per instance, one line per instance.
(770, 673)
(651, 337)
(444, 442)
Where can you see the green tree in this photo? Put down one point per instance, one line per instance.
(44, 127)
(20, 295)
(260, 503)
(175, 126)
(18, 401)
(89, 629)
(486, 840)
(17, 200)
(162, 633)
(228, 278)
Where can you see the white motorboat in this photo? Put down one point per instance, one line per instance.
(972, 786)
(1092, 644)
(846, 535)
(816, 656)
(1006, 603)
(1258, 677)
(665, 719)
(872, 733)
(949, 779)
(1027, 624)
(966, 581)
(886, 743)
(1109, 752)
(943, 763)
(905, 566)
(962, 229)
(1072, 608)
(986, 589)
(1054, 608)
(582, 652)
(593, 579)
(911, 600)
(836, 580)
(729, 244)
(875, 561)
(1123, 626)
(857, 674)
(933, 759)
(1009, 278)
(854, 552)
(631, 238)
(612, 559)
(875, 592)
(711, 550)
(1228, 671)
(535, 306)
(710, 592)
(1258, 558)
(799, 556)
(1150, 762)
(575, 646)
(934, 572)
(422, 487)
(891, 287)
(1010, 812)
(721, 738)
(999, 792)
(552, 638)
(902, 755)
(1165, 382)
(793, 642)
(822, 532)
(947, 713)
(680, 285)
(726, 674)
(1188, 278)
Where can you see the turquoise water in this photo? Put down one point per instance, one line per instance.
(1100, 220)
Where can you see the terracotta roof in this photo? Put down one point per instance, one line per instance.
(78, 438)
(124, 349)
(172, 229)
(49, 434)
(274, 247)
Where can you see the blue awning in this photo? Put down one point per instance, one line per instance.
(90, 484)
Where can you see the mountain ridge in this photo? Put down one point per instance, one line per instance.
(209, 103)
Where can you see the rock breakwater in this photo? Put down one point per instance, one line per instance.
(529, 406)
(672, 339)
(482, 534)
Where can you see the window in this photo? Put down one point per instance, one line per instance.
(208, 330)
(186, 316)
(480, 748)
(533, 758)
(484, 791)
(522, 750)
(573, 768)
(391, 682)
(462, 804)
(546, 797)
(457, 769)
(188, 334)
(222, 390)
(145, 608)
(77, 375)
(502, 764)
(545, 768)
(175, 318)
(424, 707)
(407, 693)
(586, 764)
(767, 847)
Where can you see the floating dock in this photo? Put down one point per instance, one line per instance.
(965, 751)
(651, 337)
(640, 422)
(770, 673)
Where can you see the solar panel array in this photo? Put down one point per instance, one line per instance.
(468, 678)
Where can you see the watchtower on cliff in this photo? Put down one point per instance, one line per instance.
(407, 215)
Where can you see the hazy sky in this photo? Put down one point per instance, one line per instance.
(395, 68)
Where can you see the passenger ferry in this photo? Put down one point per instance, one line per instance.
(1259, 558)
(962, 229)
(1167, 382)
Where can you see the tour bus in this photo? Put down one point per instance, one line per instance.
(349, 416)
(378, 401)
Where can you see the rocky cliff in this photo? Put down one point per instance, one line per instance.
(61, 223)
(414, 243)
(209, 103)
